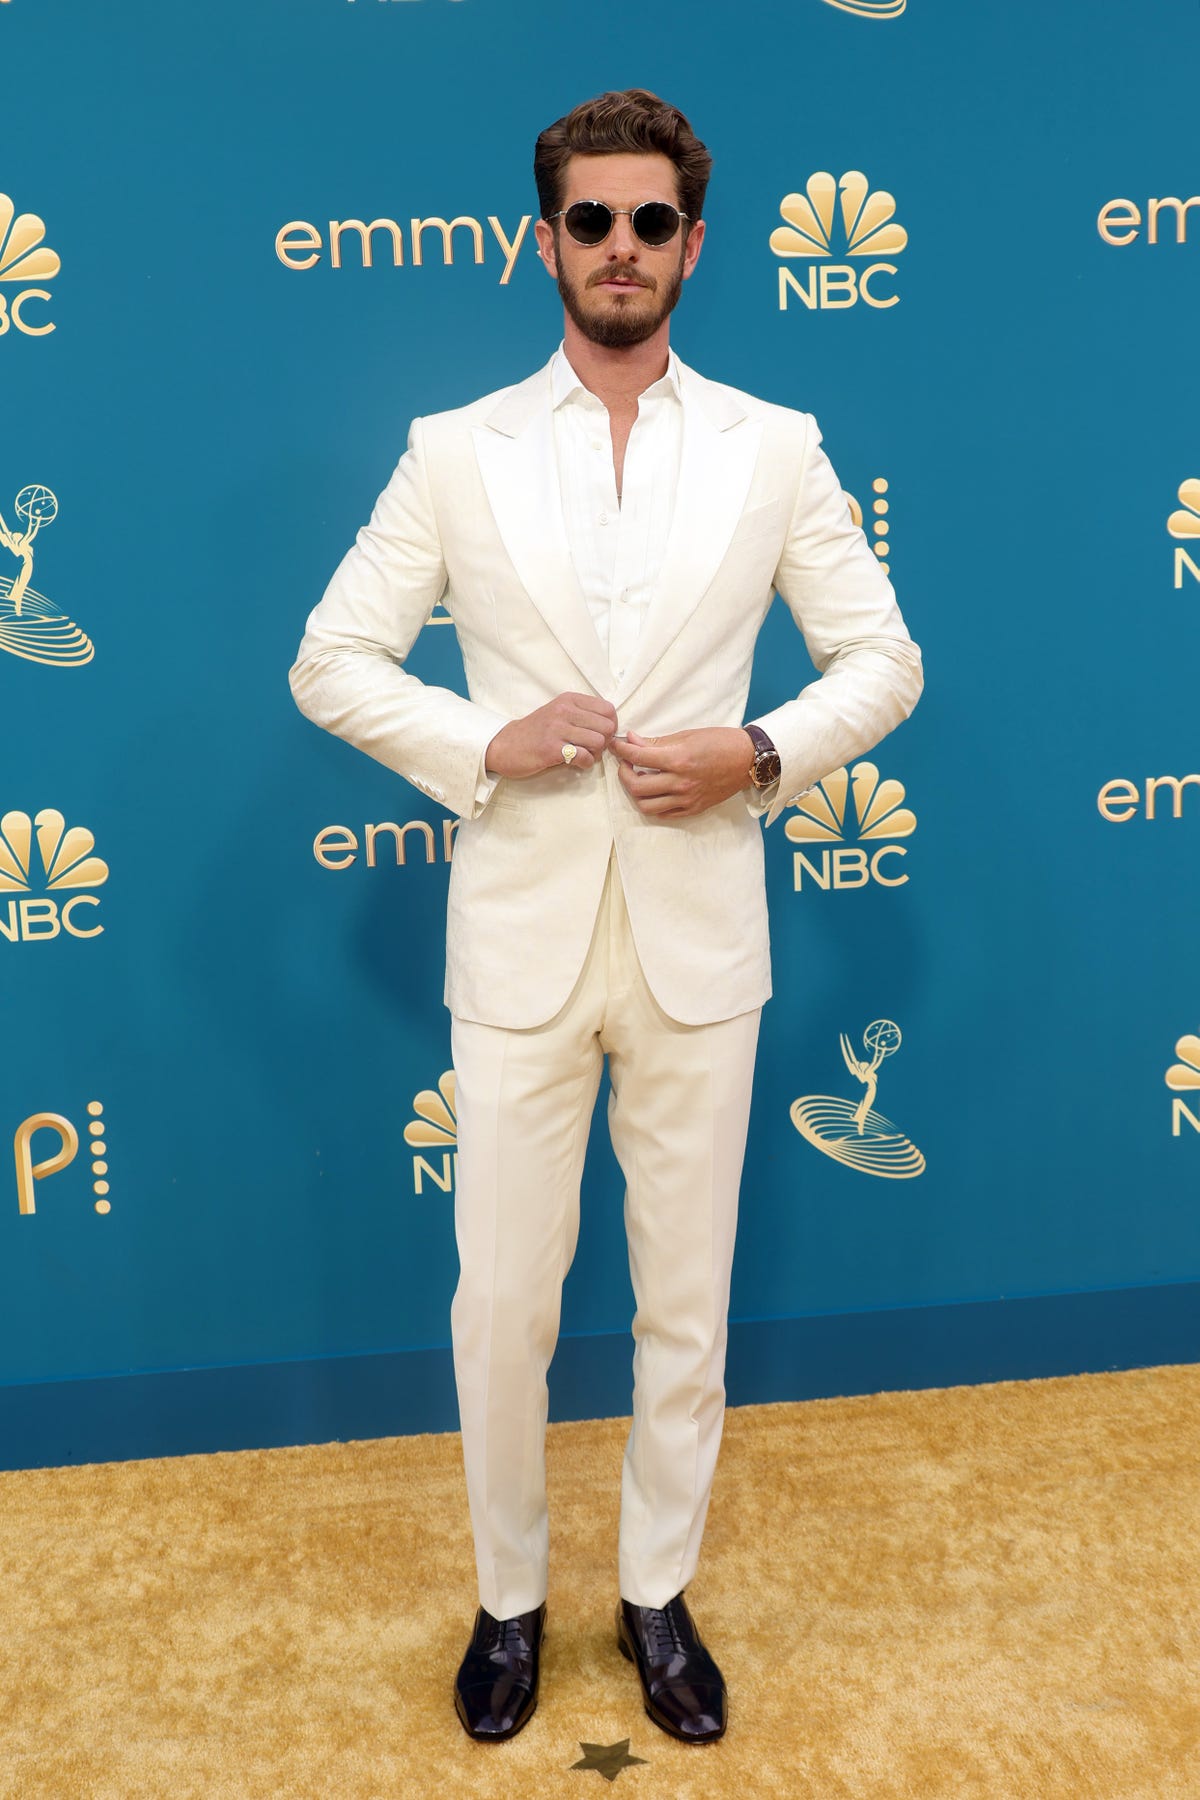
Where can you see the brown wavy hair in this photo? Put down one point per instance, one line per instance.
(632, 119)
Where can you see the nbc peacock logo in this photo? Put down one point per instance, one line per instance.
(24, 258)
(850, 805)
(31, 625)
(1183, 1077)
(64, 863)
(1184, 526)
(838, 217)
(434, 1129)
(854, 1133)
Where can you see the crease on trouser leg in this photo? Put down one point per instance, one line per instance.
(525, 1101)
(681, 1212)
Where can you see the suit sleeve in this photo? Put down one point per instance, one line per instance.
(870, 669)
(349, 674)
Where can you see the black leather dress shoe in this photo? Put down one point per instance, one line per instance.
(682, 1685)
(496, 1688)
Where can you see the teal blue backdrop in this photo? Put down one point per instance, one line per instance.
(253, 1025)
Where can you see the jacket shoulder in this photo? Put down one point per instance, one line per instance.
(726, 403)
(442, 426)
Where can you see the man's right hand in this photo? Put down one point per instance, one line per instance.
(533, 744)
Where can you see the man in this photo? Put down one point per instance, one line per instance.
(607, 534)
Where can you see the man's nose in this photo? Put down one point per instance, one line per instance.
(623, 240)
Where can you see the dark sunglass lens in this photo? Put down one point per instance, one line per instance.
(588, 221)
(655, 222)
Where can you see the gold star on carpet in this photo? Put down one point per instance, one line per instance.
(607, 1759)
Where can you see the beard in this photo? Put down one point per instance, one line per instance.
(620, 325)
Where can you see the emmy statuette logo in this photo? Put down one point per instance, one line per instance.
(853, 1134)
(66, 861)
(30, 1173)
(1184, 526)
(24, 258)
(31, 626)
(810, 230)
(870, 9)
(823, 824)
(435, 1129)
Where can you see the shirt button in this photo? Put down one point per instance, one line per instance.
(603, 520)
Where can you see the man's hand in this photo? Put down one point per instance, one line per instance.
(533, 744)
(689, 771)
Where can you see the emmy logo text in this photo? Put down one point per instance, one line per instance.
(337, 847)
(1120, 800)
(300, 245)
(1120, 222)
(29, 1172)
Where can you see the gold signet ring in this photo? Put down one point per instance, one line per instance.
(570, 752)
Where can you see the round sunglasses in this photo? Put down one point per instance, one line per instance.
(590, 221)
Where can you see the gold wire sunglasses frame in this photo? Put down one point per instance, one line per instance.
(646, 208)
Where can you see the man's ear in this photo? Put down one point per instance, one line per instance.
(691, 254)
(546, 246)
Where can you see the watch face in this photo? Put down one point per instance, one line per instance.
(767, 768)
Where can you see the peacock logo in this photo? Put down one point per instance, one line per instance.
(1183, 1077)
(64, 861)
(435, 1128)
(24, 258)
(1184, 526)
(850, 821)
(838, 217)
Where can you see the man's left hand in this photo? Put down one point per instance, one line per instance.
(683, 774)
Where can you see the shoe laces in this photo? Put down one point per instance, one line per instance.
(660, 1627)
(503, 1634)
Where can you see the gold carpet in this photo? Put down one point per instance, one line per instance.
(986, 1592)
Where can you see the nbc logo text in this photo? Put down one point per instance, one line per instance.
(24, 258)
(66, 861)
(822, 825)
(868, 230)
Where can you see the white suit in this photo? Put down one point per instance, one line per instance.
(473, 515)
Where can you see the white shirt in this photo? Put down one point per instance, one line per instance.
(617, 543)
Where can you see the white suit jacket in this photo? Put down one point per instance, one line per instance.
(472, 516)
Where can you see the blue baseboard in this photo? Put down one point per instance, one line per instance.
(119, 1418)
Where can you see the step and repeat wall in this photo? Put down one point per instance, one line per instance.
(241, 246)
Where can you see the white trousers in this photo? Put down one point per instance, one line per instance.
(677, 1116)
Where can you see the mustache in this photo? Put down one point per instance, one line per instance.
(633, 276)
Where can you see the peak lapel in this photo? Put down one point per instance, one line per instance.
(720, 447)
(517, 462)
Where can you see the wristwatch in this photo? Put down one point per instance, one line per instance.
(766, 767)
